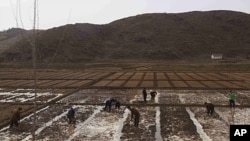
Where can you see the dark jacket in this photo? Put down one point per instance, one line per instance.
(16, 116)
(71, 112)
(209, 106)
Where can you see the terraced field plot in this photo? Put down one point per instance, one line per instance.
(174, 115)
(169, 80)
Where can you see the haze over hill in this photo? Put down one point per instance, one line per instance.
(191, 36)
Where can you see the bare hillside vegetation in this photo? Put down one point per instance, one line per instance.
(191, 36)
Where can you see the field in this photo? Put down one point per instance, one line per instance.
(53, 79)
(178, 112)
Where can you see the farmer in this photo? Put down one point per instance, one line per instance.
(15, 118)
(231, 97)
(134, 114)
(71, 116)
(108, 104)
(144, 94)
(210, 108)
(117, 105)
(153, 94)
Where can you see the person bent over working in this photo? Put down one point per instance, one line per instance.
(71, 116)
(15, 118)
(134, 114)
(210, 108)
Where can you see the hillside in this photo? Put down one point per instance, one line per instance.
(10, 37)
(191, 36)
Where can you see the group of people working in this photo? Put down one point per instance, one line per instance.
(152, 94)
(135, 115)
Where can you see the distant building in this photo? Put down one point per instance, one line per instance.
(217, 56)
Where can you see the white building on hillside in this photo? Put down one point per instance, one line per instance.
(217, 56)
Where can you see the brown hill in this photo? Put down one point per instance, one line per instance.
(11, 36)
(191, 36)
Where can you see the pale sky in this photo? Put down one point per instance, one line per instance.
(54, 13)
